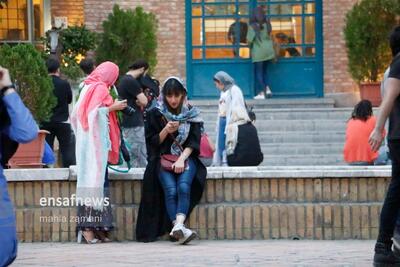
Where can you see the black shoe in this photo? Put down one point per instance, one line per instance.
(384, 255)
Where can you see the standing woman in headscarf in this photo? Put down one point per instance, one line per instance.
(169, 196)
(262, 49)
(242, 145)
(95, 124)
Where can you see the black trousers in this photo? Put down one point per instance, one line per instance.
(391, 205)
(65, 137)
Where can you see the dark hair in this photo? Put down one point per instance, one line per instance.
(173, 87)
(395, 41)
(87, 65)
(362, 111)
(140, 63)
(52, 65)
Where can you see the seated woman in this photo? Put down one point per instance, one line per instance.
(242, 143)
(357, 150)
(170, 194)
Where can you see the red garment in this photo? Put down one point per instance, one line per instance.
(98, 95)
(356, 147)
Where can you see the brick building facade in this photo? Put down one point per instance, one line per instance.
(172, 46)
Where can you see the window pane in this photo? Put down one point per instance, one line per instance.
(219, 10)
(218, 1)
(197, 53)
(14, 22)
(291, 27)
(219, 53)
(243, 10)
(285, 9)
(197, 34)
(309, 51)
(309, 34)
(289, 51)
(309, 8)
(216, 31)
(196, 11)
(38, 15)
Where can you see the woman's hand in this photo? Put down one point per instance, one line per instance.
(375, 139)
(171, 127)
(5, 79)
(118, 105)
(179, 165)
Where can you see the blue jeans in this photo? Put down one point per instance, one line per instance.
(260, 68)
(221, 137)
(177, 189)
(8, 235)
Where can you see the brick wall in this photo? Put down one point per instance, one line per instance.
(72, 9)
(171, 30)
(304, 208)
(336, 77)
(171, 34)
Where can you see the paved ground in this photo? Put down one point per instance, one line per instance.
(200, 253)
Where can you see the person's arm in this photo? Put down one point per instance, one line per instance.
(231, 32)
(68, 92)
(22, 128)
(192, 147)
(250, 35)
(392, 91)
(141, 100)
(118, 105)
(154, 136)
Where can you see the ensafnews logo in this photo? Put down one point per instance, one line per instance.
(72, 201)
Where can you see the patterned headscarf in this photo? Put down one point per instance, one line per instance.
(187, 115)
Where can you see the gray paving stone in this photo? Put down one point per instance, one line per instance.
(200, 253)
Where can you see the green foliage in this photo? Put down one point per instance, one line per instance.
(368, 25)
(76, 41)
(128, 35)
(29, 71)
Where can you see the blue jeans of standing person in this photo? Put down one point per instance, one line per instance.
(8, 235)
(221, 137)
(177, 187)
(260, 69)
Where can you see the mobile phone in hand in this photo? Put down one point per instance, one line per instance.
(1, 75)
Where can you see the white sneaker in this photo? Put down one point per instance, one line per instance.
(177, 231)
(188, 235)
(260, 96)
(269, 92)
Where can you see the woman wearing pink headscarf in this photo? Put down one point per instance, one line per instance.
(95, 124)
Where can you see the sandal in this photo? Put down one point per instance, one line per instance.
(85, 239)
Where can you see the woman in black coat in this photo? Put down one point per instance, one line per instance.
(168, 197)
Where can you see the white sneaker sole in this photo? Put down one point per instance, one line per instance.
(178, 234)
(190, 238)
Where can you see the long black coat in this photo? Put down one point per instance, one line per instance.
(153, 220)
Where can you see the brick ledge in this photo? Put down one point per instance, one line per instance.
(284, 172)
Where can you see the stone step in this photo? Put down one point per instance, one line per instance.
(296, 137)
(289, 114)
(301, 160)
(276, 103)
(292, 125)
(302, 149)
